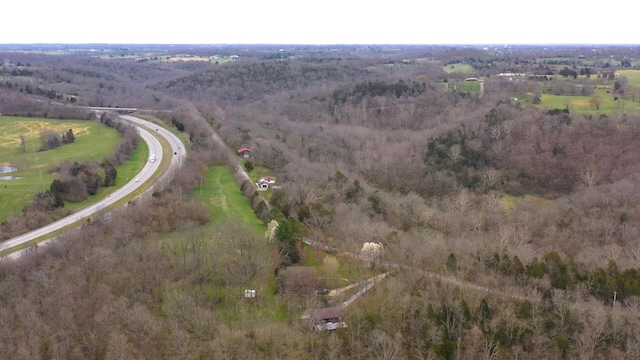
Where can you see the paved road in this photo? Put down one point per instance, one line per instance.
(178, 153)
(145, 129)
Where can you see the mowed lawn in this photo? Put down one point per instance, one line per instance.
(221, 194)
(93, 142)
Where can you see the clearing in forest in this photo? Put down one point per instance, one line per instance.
(458, 68)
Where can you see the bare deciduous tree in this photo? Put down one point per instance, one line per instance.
(490, 178)
(590, 175)
(495, 132)
(594, 335)
(455, 152)
(493, 198)
(384, 347)
(461, 202)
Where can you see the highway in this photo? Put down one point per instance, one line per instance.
(145, 130)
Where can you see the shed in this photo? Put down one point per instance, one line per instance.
(244, 153)
(328, 318)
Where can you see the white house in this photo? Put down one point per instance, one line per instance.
(266, 183)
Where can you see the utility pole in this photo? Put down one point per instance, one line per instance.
(613, 315)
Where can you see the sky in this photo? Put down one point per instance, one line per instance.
(316, 22)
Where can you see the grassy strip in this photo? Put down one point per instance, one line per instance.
(220, 193)
(126, 172)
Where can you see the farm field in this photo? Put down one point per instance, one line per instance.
(582, 104)
(93, 141)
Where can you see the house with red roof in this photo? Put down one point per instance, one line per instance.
(244, 153)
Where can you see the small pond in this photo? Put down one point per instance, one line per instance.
(5, 169)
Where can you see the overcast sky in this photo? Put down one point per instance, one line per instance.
(322, 22)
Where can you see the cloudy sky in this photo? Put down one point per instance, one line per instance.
(323, 22)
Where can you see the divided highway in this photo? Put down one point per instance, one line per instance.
(145, 129)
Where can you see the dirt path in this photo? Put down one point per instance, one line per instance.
(371, 282)
(430, 274)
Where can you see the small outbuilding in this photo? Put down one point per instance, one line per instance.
(244, 153)
(331, 318)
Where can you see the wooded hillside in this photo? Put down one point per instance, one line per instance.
(510, 230)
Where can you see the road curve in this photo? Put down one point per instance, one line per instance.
(155, 148)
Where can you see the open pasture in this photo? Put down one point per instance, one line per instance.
(93, 141)
(585, 105)
(633, 76)
(458, 68)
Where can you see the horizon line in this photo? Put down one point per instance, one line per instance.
(320, 44)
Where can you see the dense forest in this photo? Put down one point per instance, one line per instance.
(510, 230)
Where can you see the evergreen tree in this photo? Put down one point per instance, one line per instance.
(70, 137)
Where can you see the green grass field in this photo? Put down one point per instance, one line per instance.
(458, 68)
(633, 76)
(629, 102)
(93, 141)
(468, 86)
(462, 86)
(569, 61)
(582, 104)
(221, 194)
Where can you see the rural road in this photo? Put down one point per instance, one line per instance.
(145, 129)
(433, 275)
